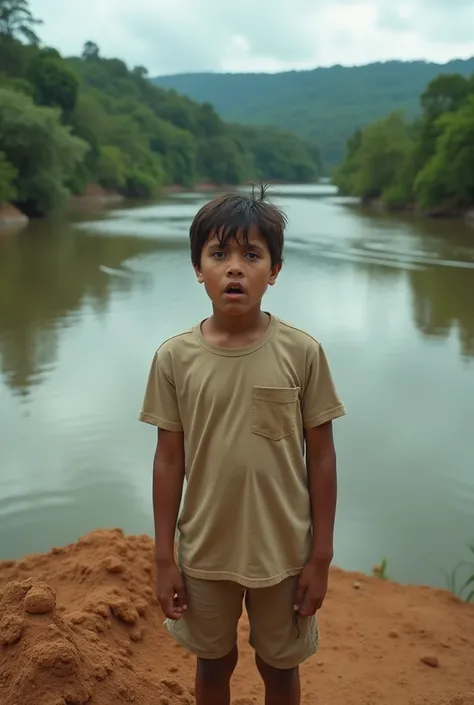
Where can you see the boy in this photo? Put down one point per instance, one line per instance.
(237, 400)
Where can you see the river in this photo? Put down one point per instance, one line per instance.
(84, 303)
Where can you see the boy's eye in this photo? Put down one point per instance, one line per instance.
(220, 254)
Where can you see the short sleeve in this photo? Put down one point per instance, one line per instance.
(320, 400)
(160, 404)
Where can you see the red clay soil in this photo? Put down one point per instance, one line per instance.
(11, 216)
(81, 625)
(94, 197)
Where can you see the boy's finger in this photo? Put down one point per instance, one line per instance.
(181, 598)
(171, 609)
(168, 607)
(299, 597)
(309, 607)
(174, 616)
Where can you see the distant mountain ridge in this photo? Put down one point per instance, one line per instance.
(324, 105)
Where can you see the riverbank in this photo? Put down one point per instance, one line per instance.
(81, 625)
(378, 205)
(96, 194)
(11, 217)
(95, 197)
(204, 187)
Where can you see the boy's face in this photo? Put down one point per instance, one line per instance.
(236, 275)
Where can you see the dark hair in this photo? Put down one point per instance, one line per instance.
(232, 216)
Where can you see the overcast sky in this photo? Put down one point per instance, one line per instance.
(173, 36)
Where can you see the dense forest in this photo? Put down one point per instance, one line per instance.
(426, 163)
(324, 105)
(68, 122)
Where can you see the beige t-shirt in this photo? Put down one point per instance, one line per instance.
(246, 510)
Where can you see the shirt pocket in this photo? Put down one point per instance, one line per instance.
(274, 411)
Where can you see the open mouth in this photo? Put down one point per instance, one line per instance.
(234, 289)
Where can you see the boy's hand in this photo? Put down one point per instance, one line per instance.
(312, 588)
(171, 592)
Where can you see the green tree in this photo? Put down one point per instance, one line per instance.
(14, 57)
(90, 51)
(209, 123)
(379, 162)
(56, 85)
(8, 174)
(447, 179)
(179, 111)
(140, 71)
(443, 94)
(177, 148)
(44, 152)
(89, 122)
(21, 85)
(143, 184)
(112, 171)
(344, 176)
(17, 21)
(220, 160)
(278, 156)
(383, 156)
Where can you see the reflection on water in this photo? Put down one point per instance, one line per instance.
(59, 515)
(442, 301)
(440, 261)
(48, 276)
(84, 304)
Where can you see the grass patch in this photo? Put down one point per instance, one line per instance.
(465, 589)
(380, 570)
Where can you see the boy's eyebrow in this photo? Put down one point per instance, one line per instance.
(255, 246)
(249, 245)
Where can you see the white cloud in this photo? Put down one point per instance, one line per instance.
(265, 36)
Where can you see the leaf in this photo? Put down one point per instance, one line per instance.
(468, 582)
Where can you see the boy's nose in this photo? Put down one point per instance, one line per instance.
(234, 268)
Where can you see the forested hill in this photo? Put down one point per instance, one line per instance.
(95, 120)
(426, 164)
(325, 105)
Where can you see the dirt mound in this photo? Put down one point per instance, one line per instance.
(50, 659)
(81, 624)
(464, 699)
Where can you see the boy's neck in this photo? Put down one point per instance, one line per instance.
(240, 330)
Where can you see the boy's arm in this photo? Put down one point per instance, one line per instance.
(168, 479)
(322, 484)
(322, 481)
(321, 405)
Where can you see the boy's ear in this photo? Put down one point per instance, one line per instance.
(198, 272)
(275, 271)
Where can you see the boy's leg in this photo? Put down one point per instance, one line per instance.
(208, 629)
(212, 686)
(281, 639)
(282, 686)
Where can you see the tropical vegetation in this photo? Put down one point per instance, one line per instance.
(69, 122)
(426, 163)
(324, 105)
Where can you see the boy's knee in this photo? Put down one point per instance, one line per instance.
(281, 678)
(219, 669)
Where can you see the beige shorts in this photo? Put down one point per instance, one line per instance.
(208, 629)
